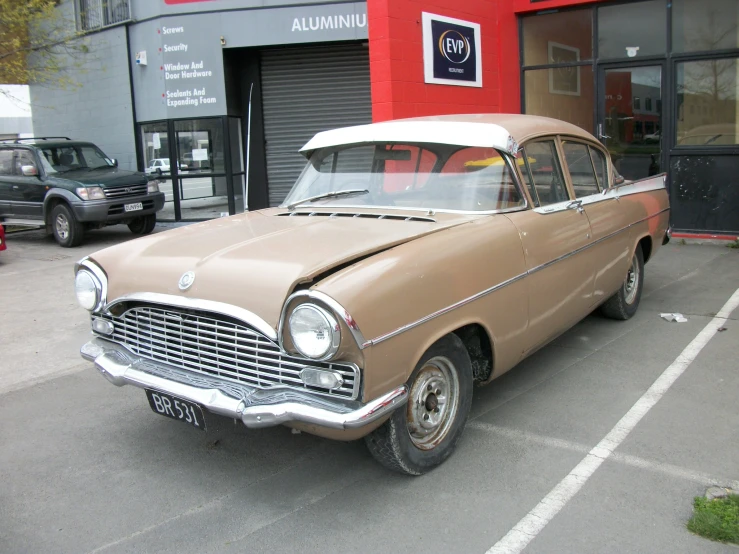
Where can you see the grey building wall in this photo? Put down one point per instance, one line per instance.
(144, 9)
(101, 109)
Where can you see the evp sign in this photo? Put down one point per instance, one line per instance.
(451, 51)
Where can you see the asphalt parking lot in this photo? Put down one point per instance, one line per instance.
(88, 467)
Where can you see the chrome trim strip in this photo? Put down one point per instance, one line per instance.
(426, 210)
(474, 297)
(337, 308)
(99, 274)
(198, 304)
(254, 408)
(613, 193)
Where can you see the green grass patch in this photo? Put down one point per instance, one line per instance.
(734, 244)
(717, 519)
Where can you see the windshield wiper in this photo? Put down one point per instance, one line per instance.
(331, 194)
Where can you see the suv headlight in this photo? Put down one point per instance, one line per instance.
(153, 186)
(315, 332)
(88, 290)
(90, 193)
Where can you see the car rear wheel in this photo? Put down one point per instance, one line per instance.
(68, 232)
(143, 225)
(424, 433)
(625, 302)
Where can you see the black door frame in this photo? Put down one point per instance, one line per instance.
(665, 123)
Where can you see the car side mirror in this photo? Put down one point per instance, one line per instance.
(115, 162)
(29, 170)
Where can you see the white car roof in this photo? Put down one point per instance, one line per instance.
(501, 131)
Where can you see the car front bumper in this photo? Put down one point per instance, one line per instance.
(254, 407)
(113, 209)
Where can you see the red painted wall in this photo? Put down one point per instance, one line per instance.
(396, 56)
(396, 59)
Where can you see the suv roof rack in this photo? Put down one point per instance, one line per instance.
(19, 140)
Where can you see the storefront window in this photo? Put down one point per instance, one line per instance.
(704, 26)
(562, 93)
(200, 145)
(632, 30)
(554, 38)
(708, 111)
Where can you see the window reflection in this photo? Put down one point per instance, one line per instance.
(632, 30)
(705, 25)
(562, 93)
(558, 37)
(708, 112)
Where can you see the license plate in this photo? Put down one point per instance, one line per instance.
(176, 408)
(133, 207)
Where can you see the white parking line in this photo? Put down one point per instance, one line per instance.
(537, 519)
(626, 459)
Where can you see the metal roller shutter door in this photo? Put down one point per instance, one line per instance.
(304, 91)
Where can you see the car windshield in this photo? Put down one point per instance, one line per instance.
(75, 156)
(416, 176)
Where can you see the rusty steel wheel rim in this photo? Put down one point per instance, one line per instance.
(631, 285)
(433, 403)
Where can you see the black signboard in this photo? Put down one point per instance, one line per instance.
(455, 56)
(451, 51)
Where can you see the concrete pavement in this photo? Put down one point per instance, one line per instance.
(89, 468)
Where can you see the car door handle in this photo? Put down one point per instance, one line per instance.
(576, 205)
(15, 187)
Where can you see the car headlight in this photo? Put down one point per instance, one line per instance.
(315, 332)
(88, 290)
(90, 193)
(153, 186)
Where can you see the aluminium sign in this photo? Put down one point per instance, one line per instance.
(451, 51)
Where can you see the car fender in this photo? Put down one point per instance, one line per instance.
(53, 196)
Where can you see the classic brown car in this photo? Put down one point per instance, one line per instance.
(412, 260)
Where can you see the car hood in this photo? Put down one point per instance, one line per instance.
(105, 177)
(254, 260)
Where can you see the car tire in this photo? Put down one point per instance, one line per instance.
(422, 434)
(143, 225)
(68, 232)
(625, 302)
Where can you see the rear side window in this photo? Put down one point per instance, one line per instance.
(601, 167)
(546, 173)
(6, 162)
(577, 156)
(24, 157)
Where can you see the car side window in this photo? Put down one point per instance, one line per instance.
(23, 157)
(6, 162)
(546, 173)
(581, 169)
(521, 162)
(601, 167)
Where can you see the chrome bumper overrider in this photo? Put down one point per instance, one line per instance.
(254, 407)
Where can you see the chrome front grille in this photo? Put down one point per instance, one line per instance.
(128, 190)
(215, 345)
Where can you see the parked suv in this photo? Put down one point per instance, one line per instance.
(70, 186)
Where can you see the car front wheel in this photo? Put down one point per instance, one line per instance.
(143, 225)
(424, 433)
(68, 232)
(625, 302)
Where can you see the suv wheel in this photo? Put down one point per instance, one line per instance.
(143, 225)
(68, 232)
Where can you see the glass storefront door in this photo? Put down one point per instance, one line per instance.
(198, 164)
(630, 118)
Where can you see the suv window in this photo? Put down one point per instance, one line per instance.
(546, 173)
(23, 157)
(75, 156)
(581, 169)
(6, 162)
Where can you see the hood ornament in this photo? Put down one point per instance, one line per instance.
(186, 280)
